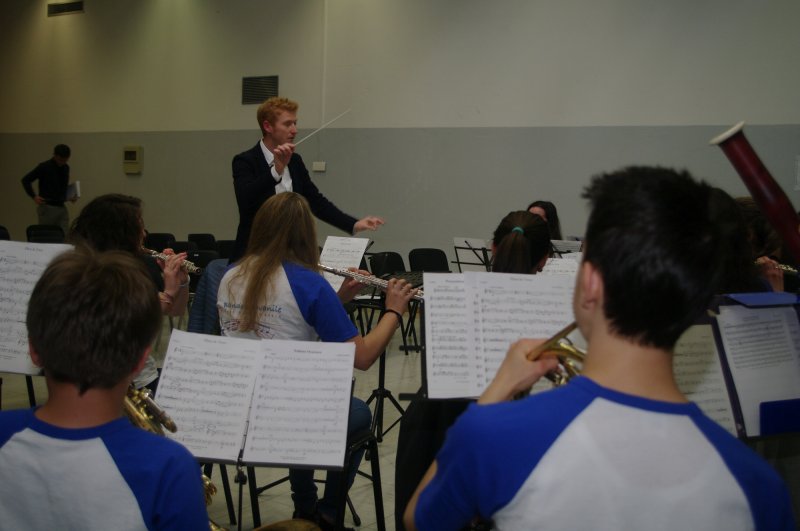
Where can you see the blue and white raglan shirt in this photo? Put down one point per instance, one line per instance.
(114, 476)
(586, 457)
(302, 307)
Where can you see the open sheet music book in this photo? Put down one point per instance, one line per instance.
(73, 191)
(21, 265)
(762, 347)
(472, 318)
(281, 403)
(342, 253)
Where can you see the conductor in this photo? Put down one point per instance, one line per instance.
(272, 167)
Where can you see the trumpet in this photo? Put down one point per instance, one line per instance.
(186, 264)
(145, 413)
(365, 279)
(570, 358)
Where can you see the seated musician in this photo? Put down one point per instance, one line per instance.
(277, 292)
(548, 212)
(619, 447)
(520, 244)
(765, 244)
(76, 462)
(113, 222)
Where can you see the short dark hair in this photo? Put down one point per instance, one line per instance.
(91, 316)
(111, 222)
(62, 150)
(518, 251)
(552, 217)
(658, 238)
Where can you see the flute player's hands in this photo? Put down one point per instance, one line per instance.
(350, 287)
(517, 374)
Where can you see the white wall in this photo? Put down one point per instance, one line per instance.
(461, 109)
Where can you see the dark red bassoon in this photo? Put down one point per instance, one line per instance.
(766, 192)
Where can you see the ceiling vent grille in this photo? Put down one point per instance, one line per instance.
(257, 89)
(65, 8)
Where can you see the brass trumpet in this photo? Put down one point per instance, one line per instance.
(570, 358)
(145, 413)
(186, 264)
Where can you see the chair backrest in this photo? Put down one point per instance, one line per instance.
(200, 259)
(386, 263)
(225, 248)
(184, 247)
(4, 235)
(158, 241)
(44, 234)
(427, 259)
(204, 241)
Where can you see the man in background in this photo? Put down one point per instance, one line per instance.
(53, 177)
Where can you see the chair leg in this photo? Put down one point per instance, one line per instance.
(356, 518)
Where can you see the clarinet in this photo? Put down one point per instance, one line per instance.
(369, 280)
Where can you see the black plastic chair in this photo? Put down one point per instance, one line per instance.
(184, 247)
(428, 259)
(44, 234)
(386, 263)
(4, 235)
(204, 241)
(225, 248)
(158, 241)
(201, 259)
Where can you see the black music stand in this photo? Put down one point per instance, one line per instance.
(481, 253)
(379, 394)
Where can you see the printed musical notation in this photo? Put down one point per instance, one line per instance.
(472, 318)
(281, 402)
(342, 253)
(763, 350)
(698, 372)
(21, 266)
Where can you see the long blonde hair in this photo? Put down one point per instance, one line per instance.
(283, 230)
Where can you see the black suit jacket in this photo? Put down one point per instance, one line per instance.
(253, 184)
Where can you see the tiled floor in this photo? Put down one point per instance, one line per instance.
(402, 376)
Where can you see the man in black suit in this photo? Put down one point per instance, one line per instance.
(272, 167)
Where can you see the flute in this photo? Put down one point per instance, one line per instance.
(186, 264)
(365, 279)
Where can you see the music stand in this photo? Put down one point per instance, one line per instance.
(468, 250)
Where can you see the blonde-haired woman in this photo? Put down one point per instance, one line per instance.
(277, 292)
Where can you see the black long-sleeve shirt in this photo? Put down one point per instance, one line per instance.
(53, 180)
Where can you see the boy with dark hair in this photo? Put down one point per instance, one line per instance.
(76, 462)
(619, 447)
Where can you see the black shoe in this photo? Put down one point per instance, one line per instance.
(313, 516)
(329, 526)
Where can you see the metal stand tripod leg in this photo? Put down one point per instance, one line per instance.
(379, 394)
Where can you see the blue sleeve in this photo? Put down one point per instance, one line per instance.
(319, 304)
(13, 421)
(767, 495)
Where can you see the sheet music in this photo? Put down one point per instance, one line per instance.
(466, 258)
(763, 349)
(507, 307)
(290, 398)
(206, 386)
(300, 418)
(342, 253)
(567, 246)
(561, 266)
(73, 190)
(698, 372)
(21, 266)
(452, 362)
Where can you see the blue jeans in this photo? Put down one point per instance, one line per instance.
(304, 490)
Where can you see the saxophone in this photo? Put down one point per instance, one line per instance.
(144, 413)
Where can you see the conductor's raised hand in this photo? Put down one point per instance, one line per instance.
(368, 223)
(282, 154)
(398, 293)
(517, 373)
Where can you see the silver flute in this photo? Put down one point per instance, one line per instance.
(369, 280)
(186, 264)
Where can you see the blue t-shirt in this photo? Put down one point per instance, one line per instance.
(114, 476)
(586, 457)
